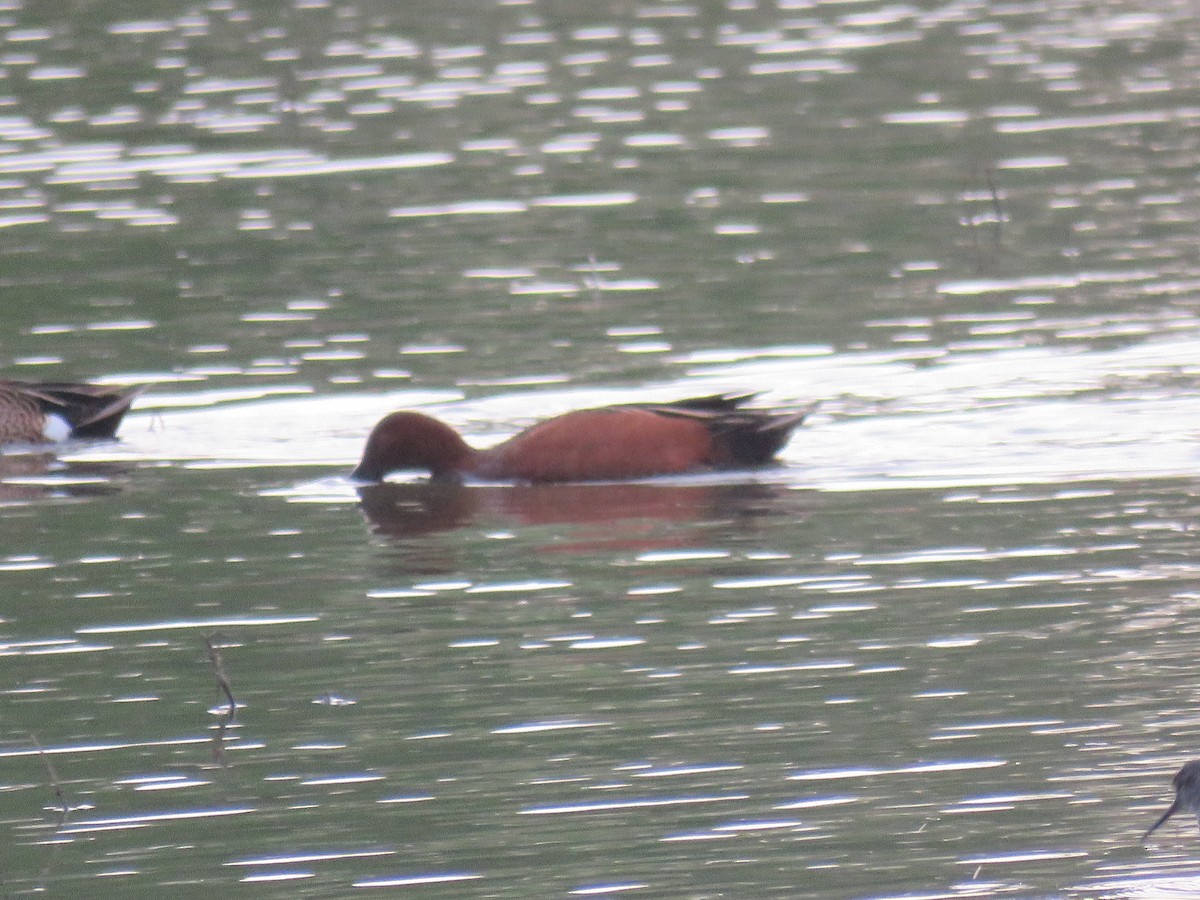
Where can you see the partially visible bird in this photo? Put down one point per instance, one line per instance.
(1186, 784)
(42, 412)
(610, 443)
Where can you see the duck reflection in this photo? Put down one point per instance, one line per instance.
(640, 509)
(410, 510)
(30, 477)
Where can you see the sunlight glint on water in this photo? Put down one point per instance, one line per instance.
(968, 231)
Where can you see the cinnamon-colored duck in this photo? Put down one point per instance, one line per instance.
(43, 412)
(610, 443)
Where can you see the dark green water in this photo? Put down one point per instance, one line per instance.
(945, 649)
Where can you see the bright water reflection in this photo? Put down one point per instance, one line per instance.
(764, 701)
(967, 229)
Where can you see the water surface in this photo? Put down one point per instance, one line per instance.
(943, 649)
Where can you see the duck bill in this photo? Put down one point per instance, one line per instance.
(366, 472)
(1171, 810)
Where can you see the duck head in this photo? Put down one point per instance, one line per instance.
(411, 440)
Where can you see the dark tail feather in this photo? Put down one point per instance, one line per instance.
(1171, 810)
(747, 437)
(104, 421)
(757, 440)
(714, 403)
(92, 411)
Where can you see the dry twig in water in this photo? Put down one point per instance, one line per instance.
(63, 806)
(214, 657)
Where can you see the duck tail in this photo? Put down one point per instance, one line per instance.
(754, 437)
(93, 411)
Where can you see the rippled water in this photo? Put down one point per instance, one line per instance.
(944, 649)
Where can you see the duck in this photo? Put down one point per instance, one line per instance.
(608, 443)
(1186, 785)
(50, 412)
